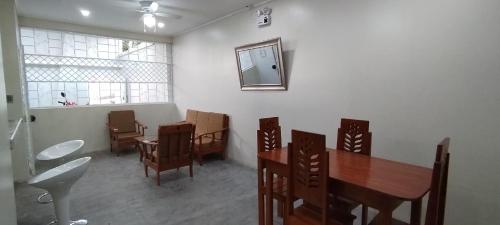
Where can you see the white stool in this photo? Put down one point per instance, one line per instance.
(57, 154)
(58, 182)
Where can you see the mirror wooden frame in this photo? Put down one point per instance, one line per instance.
(281, 72)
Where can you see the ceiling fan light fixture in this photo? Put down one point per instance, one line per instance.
(149, 20)
(154, 6)
(85, 12)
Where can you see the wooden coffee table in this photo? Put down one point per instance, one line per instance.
(142, 144)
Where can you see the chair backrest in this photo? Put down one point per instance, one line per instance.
(124, 121)
(269, 134)
(308, 170)
(175, 143)
(191, 116)
(354, 136)
(207, 122)
(202, 122)
(216, 122)
(270, 122)
(437, 196)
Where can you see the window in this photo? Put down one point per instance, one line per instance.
(93, 70)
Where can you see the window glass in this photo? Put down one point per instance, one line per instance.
(92, 69)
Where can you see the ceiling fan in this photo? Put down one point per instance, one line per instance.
(149, 10)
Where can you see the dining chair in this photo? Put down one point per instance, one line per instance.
(354, 136)
(308, 166)
(269, 139)
(269, 134)
(437, 196)
(174, 149)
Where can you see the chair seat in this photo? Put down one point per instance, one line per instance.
(305, 216)
(128, 135)
(207, 145)
(155, 155)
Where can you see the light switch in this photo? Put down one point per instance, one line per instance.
(10, 99)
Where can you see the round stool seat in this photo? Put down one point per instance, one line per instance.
(58, 182)
(56, 155)
(60, 150)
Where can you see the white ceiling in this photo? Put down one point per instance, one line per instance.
(121, 15)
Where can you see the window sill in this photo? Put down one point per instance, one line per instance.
(103, 105)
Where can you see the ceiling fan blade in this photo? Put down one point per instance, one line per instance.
(167, 15)
(125, 3)
(140, 10)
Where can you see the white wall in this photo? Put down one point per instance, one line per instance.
(55, 125)
(8, 206)
(14, 83)
(418, 70)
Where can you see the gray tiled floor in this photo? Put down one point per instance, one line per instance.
(114, 191)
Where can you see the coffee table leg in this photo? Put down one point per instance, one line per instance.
(144, 150)
(416, 212)
(269, 197)
(139, 148)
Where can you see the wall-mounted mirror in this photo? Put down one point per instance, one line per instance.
(260, 66)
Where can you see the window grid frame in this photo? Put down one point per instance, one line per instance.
(124, 88)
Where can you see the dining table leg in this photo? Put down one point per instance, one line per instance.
(384, 217)
(416, 212)
(269, 197)
(260, 183)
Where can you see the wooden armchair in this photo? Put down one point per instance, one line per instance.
(211, 135)
(174, 149)
(354, 136)
(123, 129)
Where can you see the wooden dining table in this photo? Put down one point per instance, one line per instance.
(378, 183)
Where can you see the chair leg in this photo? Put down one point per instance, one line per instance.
(146, 170)
(285, 214)
(158, 177)
(200, 159)
(260, 192)
(280, 209)
(364, 215)
(191, 170)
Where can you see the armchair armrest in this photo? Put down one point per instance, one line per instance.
(140, 127)
(111, 128)
(210, 134)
